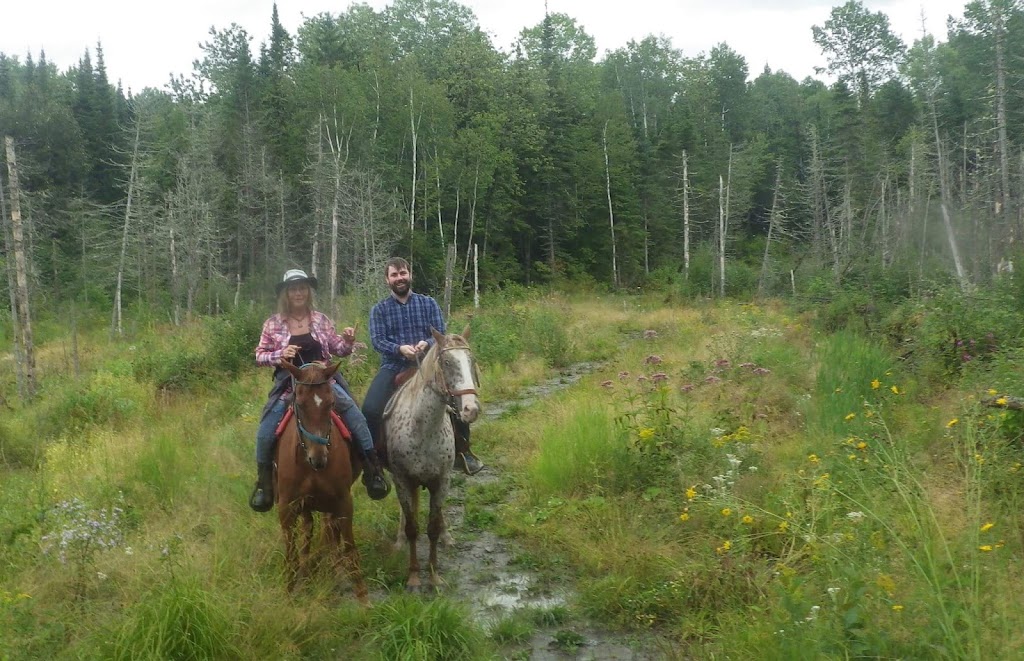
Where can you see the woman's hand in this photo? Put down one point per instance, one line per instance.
(289, 352)
(348, 335)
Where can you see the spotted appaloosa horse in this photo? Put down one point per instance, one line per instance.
(421, 442)
(314, 473)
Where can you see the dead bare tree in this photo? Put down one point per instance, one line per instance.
(116, 325)
(611, 213)
(24, 315)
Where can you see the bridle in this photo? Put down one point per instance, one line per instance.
(445, 390)
(305, 434)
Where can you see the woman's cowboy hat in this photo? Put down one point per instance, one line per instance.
(295, 276)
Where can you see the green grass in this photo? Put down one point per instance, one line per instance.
(410, 628)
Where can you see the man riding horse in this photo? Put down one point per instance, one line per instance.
(400, 332)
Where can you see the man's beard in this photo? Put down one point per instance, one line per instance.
(400, 288)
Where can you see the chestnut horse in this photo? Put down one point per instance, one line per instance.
(315, 474)
(421, 442)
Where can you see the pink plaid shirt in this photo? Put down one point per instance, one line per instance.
(274, 339)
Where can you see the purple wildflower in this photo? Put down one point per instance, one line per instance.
(722, 362)
(607, 384)
(650, 334)
(653, 360)
(748, 365)
(761, 370)
(623, 376)
(687, 388)
(712, 379)
(658, 377)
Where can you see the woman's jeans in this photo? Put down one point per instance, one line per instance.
(343, 404)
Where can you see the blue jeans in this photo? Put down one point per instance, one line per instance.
(343, 404)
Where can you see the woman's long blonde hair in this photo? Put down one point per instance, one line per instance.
(284, 308)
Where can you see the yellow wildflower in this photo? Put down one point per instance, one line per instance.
(992, 391)
(783, 526)
(985, 547)
(1001, 401)
(726, 545)
(885, 582)
(952, 423)
(839, 390)
(978, 458)
(813, 458)
(897, 607)
(691, 492)
(987, 527)
(646, 433)
(850, 416)
(895, 390)
(862, 445)
(852, 457)
(748, 519)
(869, 414)
(999, 545)
(726, 511)
(685, 516)
(876, 384)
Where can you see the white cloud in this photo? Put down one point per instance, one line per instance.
(144, 46)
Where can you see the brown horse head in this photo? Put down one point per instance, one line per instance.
(313, 402)
(457, 368)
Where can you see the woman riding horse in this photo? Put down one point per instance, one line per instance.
(300, 334)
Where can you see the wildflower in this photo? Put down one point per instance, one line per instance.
(876, 384)
(832, 591)
(813, 458)
(895, 390)
(727, 545)
(658, 377)
(685, 516)
(987, 527)
(992, 391)
(641, 379)
(1000, 544)
(687, 388)
(691, 492)
(839, 390)
(855, 516)
(897, 607)
(650, 334)
(978, 458)
(850, 416)
(100, 575)
(821, 481)
(646, 433)
(852, 457)
(726, 511)
(761, 371)
(885, 582)
(623, 376)
(1001, 401)
(952, 423)
(653, 360)
(712, 379)
(862, 445)
(747, 365)
(607, 384)
(722, 362)
(783, 526)
(869, 414)
(1016, 467)
(985, 547)
(748, 519)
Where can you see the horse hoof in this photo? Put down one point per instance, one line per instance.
(447, 541)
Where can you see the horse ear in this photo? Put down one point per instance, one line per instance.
(292, 369)
(331, 369)
(465, 332)
(437, 336)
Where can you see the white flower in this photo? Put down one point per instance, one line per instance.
(832, 591)
(752, 469)
(855, 516)
(100, 575)
(717, 431)
(813, 615)
(128, 551)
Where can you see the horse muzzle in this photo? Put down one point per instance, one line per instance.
(469, 408)
(317, 461)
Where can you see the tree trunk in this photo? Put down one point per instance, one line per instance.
(472, 221)
(1005, 200)
(611, 214)
(21, 270)
(12, 289)
(116, 325)
(686, 217)
(412, 203)
(476, 278)
(944, 197)
(771, 228)
(175, 285)
(449, 273)
(721, 237)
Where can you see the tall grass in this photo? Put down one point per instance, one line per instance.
(580, 453)
(408, 628)
(848, 364)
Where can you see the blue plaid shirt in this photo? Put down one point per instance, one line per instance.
(393, 324)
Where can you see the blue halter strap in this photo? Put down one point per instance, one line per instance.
(305, 433)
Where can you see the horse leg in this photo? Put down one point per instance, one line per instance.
(435, 526)
(349, 554)
(408, 498)
(286, 515)
(447, 541)
(306, 522)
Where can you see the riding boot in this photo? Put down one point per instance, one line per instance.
(465, 460)
(377, 486)
(262, 498)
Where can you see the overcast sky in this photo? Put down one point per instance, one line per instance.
(144, 42)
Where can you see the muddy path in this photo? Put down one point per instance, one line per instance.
(486, 571)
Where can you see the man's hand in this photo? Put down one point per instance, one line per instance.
(408, 351)
(422, 345)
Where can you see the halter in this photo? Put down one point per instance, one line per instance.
(445, 389)
(305, 434)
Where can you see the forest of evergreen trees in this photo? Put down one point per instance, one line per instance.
(405, 131)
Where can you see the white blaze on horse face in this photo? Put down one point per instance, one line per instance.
(470, 404)
(317, 400)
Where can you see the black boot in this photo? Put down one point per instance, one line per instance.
(465, 460)
(262, 498)
(377, 486)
